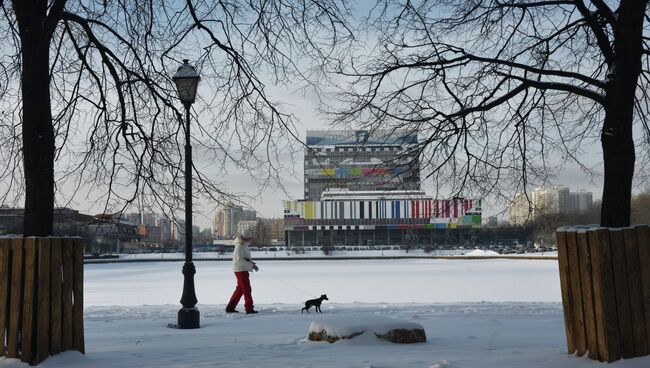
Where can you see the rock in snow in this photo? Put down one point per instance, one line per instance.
(389, 329)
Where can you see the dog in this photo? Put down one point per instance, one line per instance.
(314, 302)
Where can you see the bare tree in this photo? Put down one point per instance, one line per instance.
(88, 105)
(505, 92)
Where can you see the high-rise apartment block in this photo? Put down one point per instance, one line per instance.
(548, 201)
(227, 219)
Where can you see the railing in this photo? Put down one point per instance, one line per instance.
(41, 297)
(605, 282)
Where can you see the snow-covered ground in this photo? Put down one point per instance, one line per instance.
(476, 313)
(334, 254)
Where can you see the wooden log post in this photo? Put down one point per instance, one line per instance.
(41, 297)
(565, 283)
(43, 328)
(29, 301)
(586, 280)
(605, 282)
(643, 241)
(604, 299)
(5, 272)
(78, 294)
(56, 282)
(66, 303)
(15, 303)
(576, 293)
(633, 267)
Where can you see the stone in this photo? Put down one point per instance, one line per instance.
(388, 329)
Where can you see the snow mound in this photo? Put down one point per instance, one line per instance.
(482, 253)
(390, 329)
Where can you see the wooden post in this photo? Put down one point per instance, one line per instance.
(41, 297)
(29, 302)
(576, 293)
(587, 294)
(43, 321)
(562, 256)
(14, 317)
(4, 290)
(56, 280)
(78, 307)
(66, 303)
(643, 238)
(635, 300)
(604, 296)
(622, 293)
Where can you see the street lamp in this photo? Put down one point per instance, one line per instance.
(187, 79)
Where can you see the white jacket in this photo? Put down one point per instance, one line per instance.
(241, 256)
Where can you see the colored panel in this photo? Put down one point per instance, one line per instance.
(355, 171)
(327, 172)
(341, 173)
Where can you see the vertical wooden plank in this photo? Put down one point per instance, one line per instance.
(56, 279)
(29, 301)
(635, 301)
(604, 295)
(5, 279)
(15, 308)
(565, 286)
(78, 294)
(66, 295)
(43, 321)
(622, 294)
(587, 294)
(576, 292)
(643, 239)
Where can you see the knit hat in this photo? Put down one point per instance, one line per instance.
(246, 234)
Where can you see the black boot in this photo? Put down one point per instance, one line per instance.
(230, 309)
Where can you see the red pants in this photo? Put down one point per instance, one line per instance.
(243, 288)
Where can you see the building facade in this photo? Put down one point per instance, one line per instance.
(365, 218)
(227, 219)
(548, 201)
(359, 160)
(363, 188)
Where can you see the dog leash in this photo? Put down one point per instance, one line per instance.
(287, 284)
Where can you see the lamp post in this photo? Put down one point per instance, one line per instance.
(187, 79)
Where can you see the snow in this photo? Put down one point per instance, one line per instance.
(487, 313)
(287, 254)
(349, 325)
(482, 253)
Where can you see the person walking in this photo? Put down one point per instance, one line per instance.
(242, 265)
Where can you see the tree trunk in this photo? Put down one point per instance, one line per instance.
(38, 133)
(617, 137)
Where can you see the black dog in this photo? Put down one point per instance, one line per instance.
(314, 302)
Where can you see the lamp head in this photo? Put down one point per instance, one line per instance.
(187, 80)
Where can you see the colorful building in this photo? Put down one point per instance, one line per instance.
(363, 188)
